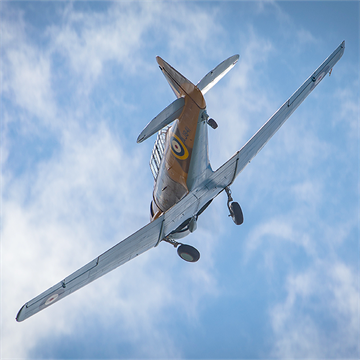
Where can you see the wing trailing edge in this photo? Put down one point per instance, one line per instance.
(238, 162)
(134, 245)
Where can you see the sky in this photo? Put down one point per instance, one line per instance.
(79, 82)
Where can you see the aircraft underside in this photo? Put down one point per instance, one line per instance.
(185, 184)
(180, 160)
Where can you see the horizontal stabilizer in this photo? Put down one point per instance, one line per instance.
(168, 115)
(215, 75)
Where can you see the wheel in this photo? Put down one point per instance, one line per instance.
(188, 253)
(212, 123)
(236, 213)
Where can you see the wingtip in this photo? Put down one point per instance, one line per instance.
(235, 59)
(140, 138)
(159, 60)
(18, 316)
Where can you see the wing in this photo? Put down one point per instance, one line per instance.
(144, 239)
(134, 245)
(227, 173)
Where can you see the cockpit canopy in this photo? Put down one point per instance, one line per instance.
(158, 151)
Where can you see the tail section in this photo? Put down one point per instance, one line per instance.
(180, 85)
(167, 116)
(215, 75)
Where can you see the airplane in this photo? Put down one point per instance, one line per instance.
(185, 183)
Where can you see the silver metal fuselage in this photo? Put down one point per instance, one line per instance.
(185, 161)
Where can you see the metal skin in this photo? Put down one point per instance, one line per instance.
(182, 146)
(185, 183)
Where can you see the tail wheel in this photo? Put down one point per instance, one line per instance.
(188, 253)
(236, 213)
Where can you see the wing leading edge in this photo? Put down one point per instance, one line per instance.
(139, 242)
(227, 173)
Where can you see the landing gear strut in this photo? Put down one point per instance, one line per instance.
(211, 122)
(234, 208)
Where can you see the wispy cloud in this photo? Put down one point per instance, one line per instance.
(26, 75)
(330, 289)
(73, 186)
(77, 202)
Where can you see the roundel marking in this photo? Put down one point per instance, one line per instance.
(51, 299)
(320, 77)
(178, 148)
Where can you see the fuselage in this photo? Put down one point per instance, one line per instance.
(183, 148)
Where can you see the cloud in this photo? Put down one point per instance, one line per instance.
(305, 37)
(349, 109)
(85, 195)
(54, 218)
(82, 88)
(330, 290)
(238, 100)
(26, 75)
(88, 41)
(313, 313)
(73, 211)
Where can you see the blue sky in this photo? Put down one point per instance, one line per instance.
(79, 81)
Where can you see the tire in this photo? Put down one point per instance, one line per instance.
(188, 253)
(212, 123)
(236, 213)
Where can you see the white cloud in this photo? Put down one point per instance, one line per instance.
(238, 100)
(62, 219)
(88, 41)
(56, 220)
(328, 290)
(349, 110)
(308, 192)
(70, 207)
(27, 79)
(86, 195)
(305, 37)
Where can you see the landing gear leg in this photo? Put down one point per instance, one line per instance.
(211, 122)
(234, 208)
